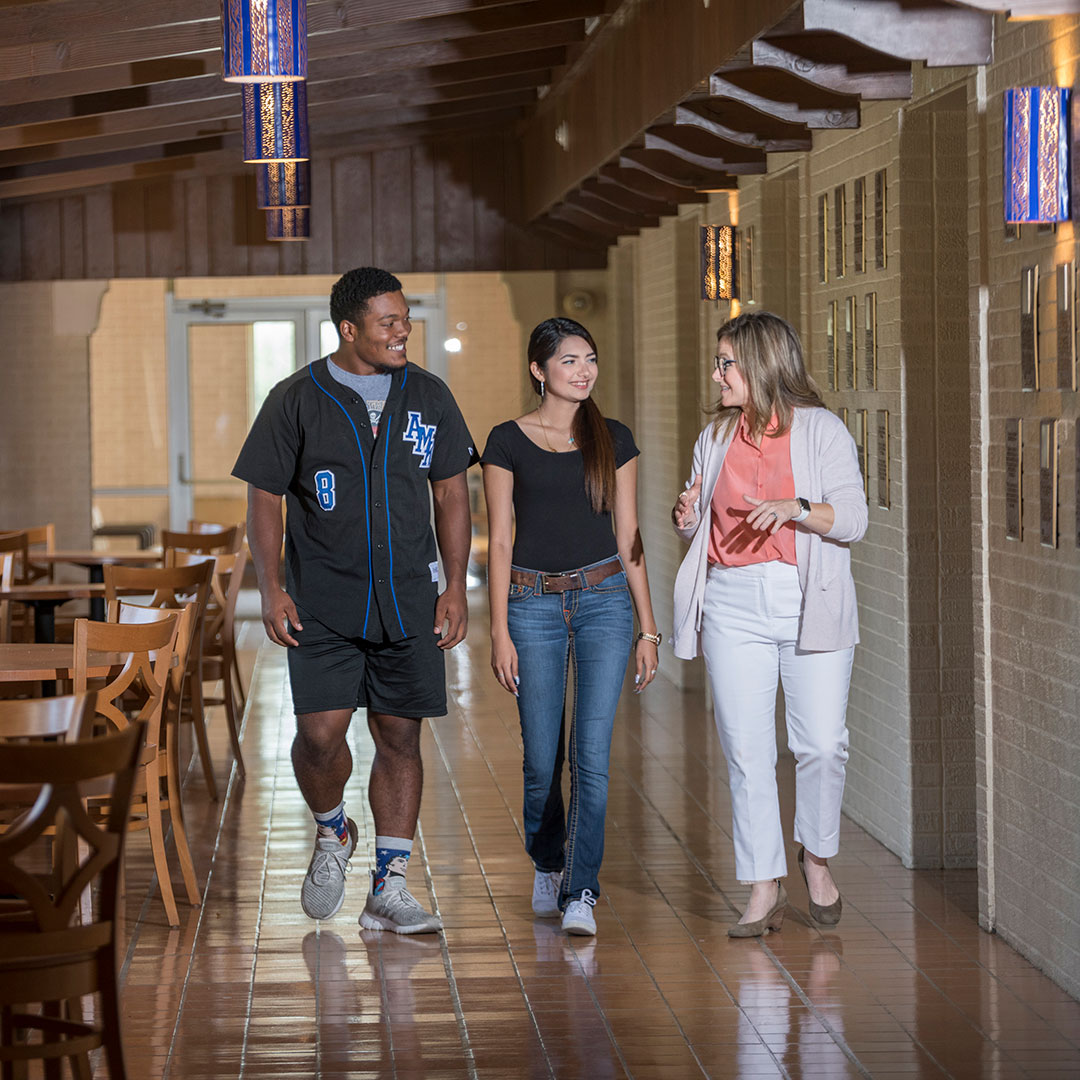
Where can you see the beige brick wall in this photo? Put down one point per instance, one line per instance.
(1029, 702)
(44, 420)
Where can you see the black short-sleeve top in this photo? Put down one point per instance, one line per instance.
(359, 551)
(556, 527)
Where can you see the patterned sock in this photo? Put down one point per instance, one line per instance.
(334, 823)
(391, 859)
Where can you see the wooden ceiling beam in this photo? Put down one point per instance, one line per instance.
(869, 85)
(566, 233)
(694, 116)
(631, 71)
(790, 112)
(609, 214)
(625, 199)
(940, 35)
(696, 142)
(673, 169)
(636, 180)
(415, 71)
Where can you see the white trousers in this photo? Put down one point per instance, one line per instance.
(749, 629)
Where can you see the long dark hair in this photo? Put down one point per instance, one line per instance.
(770, 359)
(590, 430)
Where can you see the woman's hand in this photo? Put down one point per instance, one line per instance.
(504, 662)
(646, 661)
(769, 514)
(683, 513)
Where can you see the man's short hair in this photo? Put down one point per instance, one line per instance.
(351, 292)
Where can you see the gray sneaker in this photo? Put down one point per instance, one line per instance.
(396, 909)
(323, 891)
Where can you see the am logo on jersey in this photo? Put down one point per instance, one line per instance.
(422, 436)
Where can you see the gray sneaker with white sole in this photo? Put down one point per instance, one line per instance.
(396, 909)
(323, 891)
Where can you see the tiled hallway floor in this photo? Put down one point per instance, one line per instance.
(906, 986)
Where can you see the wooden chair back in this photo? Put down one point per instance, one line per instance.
(128, 613)
(224, 540)
(13, 560)
(46, 957)
(40, 538)
(68, 717)
(145, 672)
(210, 527)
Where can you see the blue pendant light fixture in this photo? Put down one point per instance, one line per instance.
(264, 40)
(1036, 165)
(283, 184)
(275, 122)
(288, 223)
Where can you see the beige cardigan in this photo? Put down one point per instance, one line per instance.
(825, 465)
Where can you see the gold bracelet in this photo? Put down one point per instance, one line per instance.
(654, 638)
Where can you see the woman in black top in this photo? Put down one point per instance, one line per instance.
(561, 593)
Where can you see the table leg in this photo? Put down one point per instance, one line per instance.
(45, 632)
(97, 603)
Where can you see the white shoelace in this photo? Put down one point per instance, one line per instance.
(586, 897)
(320, 868)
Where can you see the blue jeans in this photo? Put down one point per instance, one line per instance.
(592, 628)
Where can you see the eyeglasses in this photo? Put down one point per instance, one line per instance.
(722, 365)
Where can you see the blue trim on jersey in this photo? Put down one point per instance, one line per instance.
(404, 378)
(367, 511)
(389, 538)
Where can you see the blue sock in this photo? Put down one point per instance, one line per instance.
(391, 859)
(334, 823)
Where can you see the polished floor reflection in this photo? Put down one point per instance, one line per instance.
(906, 986)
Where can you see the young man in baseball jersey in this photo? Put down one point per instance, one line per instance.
(354, 443)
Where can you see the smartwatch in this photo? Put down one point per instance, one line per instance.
(804, 513)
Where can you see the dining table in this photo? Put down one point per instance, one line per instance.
(46, 596)
(37, 661)
(95, 562)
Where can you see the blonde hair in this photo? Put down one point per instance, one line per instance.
(770, 361)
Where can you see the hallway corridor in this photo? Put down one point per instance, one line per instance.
(907, 985)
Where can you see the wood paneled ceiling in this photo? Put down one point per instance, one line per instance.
(99, 91)
(96, 92)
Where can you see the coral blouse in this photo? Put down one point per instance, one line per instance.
(763, 472)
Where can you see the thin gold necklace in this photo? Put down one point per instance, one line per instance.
(543, 427)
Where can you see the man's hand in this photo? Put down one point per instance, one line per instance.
(278, 614)
(451, 609)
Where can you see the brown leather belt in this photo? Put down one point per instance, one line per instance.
(569, 579)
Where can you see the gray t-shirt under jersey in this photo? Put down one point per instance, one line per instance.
(372, 388)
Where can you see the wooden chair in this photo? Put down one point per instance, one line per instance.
(44, 956)
(227, 539)
(149, 656)
(15, 621)
(40, 538)
(41, 718)
(219, 660)
(173, 587)
(211, 527)
(127, 613)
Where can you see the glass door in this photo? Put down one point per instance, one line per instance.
(224, 357)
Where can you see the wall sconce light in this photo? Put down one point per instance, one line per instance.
(718, 263)
(1036, 166)
(275, 122)
(282, 184)
(288, 223)
(263, 40)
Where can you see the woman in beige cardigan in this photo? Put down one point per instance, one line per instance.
(775, 500)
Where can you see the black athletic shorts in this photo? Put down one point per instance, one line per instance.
(330, 672)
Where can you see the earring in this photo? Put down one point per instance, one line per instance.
(541, 389)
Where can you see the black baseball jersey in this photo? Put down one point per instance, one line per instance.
(359, 549)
